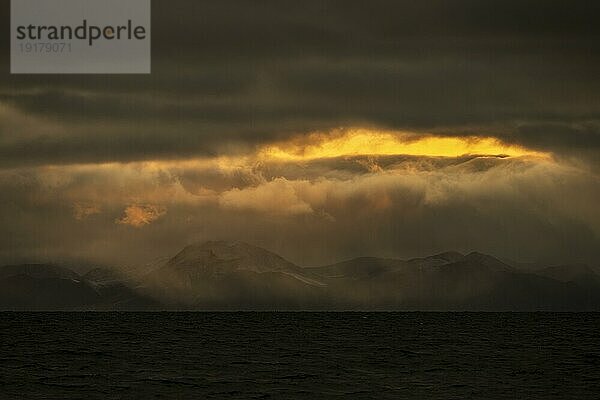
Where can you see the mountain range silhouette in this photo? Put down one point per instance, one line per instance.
(220, 275)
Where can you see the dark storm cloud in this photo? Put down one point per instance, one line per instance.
(229, 76)
(246, 72)
(578, 137)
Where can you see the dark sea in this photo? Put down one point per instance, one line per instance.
(299, 355)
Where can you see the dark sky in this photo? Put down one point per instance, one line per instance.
(121, 169)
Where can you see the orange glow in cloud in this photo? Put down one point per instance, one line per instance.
(355, 142)
(314, 146)
(140, 215)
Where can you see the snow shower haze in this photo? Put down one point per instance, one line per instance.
(80, 36)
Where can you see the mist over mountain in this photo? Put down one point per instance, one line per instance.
(219, 275)
(50, 287)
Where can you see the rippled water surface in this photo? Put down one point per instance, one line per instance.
(299, 355)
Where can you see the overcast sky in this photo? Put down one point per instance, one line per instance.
(286, 123)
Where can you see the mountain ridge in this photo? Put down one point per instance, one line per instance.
(237, 275)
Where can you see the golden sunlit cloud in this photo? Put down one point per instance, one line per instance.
(276, 197)
(140, 215)
(288, 177)
(355, 142)
(352, 142)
